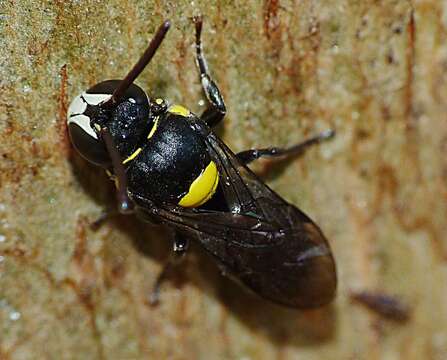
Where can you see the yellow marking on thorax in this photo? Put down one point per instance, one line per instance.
(179, 110)
(159, 101)
(202, 188)
(133, 156)
(154, 127)
(137, 151)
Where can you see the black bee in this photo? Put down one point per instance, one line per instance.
(170, 167)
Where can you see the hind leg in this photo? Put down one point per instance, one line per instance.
(247, 156)
(180, 247)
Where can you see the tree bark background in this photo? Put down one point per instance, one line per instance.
(373, 70)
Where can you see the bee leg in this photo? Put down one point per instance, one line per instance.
(106, 215)
(180, 247)
(248, 156)
(125, 204)
(216, 110)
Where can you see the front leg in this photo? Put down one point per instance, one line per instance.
(216, 110)
(125, 204)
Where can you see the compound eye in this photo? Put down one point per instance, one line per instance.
(83, 137)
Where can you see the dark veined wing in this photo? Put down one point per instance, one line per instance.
(269, 245)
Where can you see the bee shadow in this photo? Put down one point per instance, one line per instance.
(101, 190)
(277, 324)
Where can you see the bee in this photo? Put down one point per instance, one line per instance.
(170, 167)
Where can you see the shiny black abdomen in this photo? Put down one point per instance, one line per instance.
(169, 162)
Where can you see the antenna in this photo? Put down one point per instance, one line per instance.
(140, 65)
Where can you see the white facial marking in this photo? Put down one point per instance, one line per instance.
(75, 113)
(77, 106)
(83, 121)
(95, 99)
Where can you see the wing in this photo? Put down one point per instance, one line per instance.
(269, 245)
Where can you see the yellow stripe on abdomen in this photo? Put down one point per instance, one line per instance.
(202, 188)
